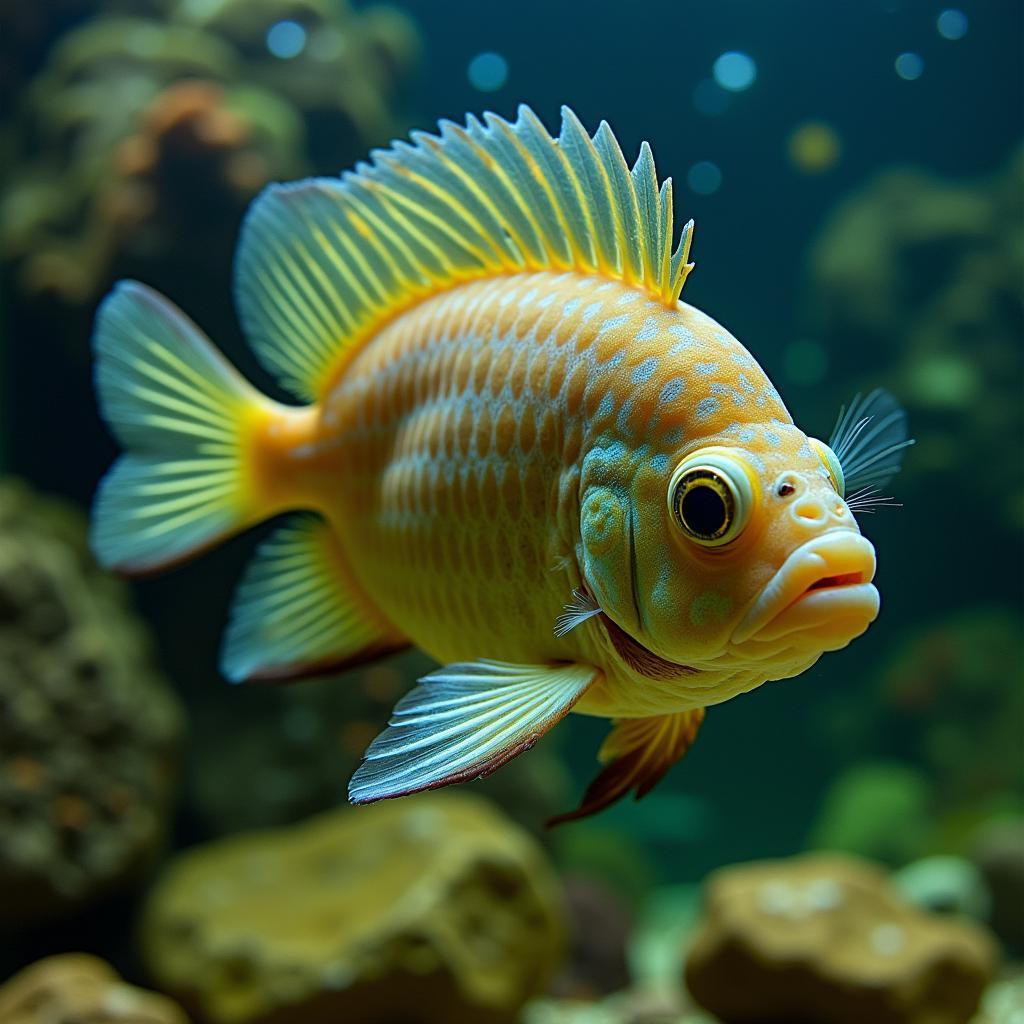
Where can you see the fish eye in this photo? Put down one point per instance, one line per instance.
(710, 498)
(831, 464)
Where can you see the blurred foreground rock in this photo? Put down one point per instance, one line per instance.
(78, 989)
(88, 728)
(427, 910)
(824, 939)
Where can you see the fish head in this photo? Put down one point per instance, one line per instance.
(734, 549)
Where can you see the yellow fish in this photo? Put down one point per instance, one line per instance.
(520, 451)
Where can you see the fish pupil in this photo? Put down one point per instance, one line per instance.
(704, 511)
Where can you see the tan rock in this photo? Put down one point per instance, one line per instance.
(428, 910)
(824, 939)
(74, 988)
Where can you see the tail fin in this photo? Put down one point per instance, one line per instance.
(186, 419)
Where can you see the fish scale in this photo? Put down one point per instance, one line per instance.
(520, 452)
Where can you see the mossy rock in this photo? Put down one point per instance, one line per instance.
(429, 910)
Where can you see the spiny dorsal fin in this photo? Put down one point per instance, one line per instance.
(323, 262)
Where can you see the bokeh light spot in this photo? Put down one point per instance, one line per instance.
(734, 71)
(952, 24)
(909, 66)
(704, 178)
(805, 362)
(286, 39)
(709, 98)
(814, 147)
(487, 72)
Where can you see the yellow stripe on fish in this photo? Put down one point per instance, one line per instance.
(522, 453)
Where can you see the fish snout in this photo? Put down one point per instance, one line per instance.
(813, 511)
(822, 594)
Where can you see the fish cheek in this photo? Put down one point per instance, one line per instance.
(605, 555)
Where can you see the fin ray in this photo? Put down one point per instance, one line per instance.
(637, 753)
(488, 711)
(323, 262)
(294, 612)
(185, 418)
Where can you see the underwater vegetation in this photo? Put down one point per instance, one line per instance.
(149, 127)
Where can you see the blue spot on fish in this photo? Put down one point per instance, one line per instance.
(705, 369)
(622, 422)
(570, 307)
(547, 300)
(675, 435)
(614, 321)
(659, 463)
(593, 308)
(707, 407)
(605, 408)
(772, 438)
(672, 390)
(642, 371)
(648, 331)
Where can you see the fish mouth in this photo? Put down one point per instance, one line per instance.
(824, 587)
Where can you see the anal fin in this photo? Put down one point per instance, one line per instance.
(295, 614)
(464, 721)
(637, 753)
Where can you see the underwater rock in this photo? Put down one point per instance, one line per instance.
(878, 810)
(88, 729)
(825, 939)
(152, 130)
(429, 910)
(74, 988)
(999, 855)
(938, 266)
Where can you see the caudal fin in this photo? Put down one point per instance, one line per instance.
(186, 419)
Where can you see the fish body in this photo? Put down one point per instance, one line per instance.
(569, 487)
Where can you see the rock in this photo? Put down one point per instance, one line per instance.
(88, 728)
(427, 910)
(825, 939)
(74, 988)
(999, 854)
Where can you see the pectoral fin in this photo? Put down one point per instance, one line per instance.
(637, 753)
(463, 721)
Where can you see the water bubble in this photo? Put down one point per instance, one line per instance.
(487, 72)
(704, 178)
(952, 24)
(909, 66)
(286, 39)
(709, 98)
(734, 71)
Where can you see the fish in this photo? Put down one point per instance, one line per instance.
(511, 445)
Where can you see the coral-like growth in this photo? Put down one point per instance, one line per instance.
(88, 729)
(145, 138)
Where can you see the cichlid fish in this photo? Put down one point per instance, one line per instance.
(520, 451)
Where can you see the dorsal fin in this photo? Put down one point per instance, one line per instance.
(323, 262)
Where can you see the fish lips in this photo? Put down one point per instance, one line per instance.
(823, 587)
